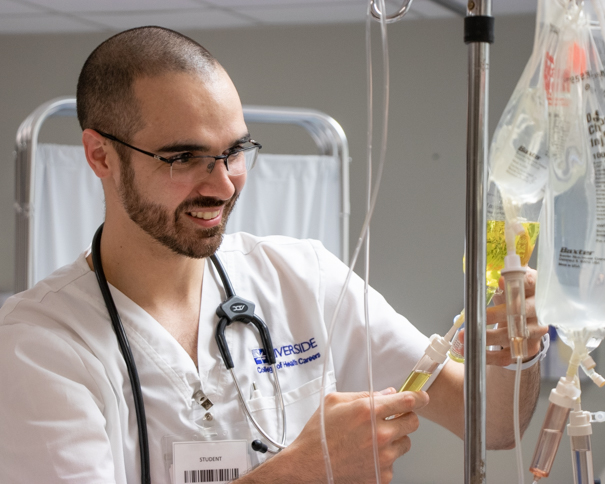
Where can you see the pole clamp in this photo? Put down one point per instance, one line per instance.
(478, 28)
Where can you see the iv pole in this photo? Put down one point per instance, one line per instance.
(478, 34)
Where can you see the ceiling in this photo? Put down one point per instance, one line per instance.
(71, 16)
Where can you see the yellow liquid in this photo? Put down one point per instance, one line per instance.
(496, 252)
(415, 381)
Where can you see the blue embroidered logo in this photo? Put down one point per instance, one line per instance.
(289, 351)
(260, 358)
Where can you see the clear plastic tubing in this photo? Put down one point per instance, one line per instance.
(548, 442)
(362, 237)
(517, 418)
(581, 456)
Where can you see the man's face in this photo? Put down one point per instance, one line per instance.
(183, 113)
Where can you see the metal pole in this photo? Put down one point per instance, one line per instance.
(476, 183)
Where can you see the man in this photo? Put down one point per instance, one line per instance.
(163, 129)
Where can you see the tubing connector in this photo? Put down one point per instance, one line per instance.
(565, 393)
(597, 417)
(438, 348)
(588, 365)
(579, 423)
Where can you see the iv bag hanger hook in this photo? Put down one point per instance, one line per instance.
(394, 17)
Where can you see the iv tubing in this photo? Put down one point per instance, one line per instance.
(362, 237)
(517, 421)
(366, 306)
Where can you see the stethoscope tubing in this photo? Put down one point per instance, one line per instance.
(133, 374)
(282, 445)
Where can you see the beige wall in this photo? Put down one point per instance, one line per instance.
(418, 229)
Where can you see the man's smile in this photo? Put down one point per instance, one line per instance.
(205, 215)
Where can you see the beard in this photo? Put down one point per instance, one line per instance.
(172, 230)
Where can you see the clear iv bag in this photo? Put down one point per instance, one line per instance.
(519, 154)
(570, 292)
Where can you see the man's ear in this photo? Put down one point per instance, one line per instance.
(96, 148)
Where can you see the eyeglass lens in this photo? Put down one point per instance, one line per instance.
(199, 168)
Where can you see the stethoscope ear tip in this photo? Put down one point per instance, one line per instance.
(258, 446)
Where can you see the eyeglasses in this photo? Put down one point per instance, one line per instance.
(186, 166)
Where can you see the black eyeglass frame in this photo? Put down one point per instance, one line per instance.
(171, 161)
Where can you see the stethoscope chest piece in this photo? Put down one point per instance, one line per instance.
(236, 309)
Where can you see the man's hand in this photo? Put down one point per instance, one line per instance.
(497, 315)
(447, 396)
(499, 336)
(349, 435)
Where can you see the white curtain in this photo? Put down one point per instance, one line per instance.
(293, 195)
(68, 207)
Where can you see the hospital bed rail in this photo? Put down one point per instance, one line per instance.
(327, 134)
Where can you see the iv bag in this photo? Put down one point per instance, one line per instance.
(570, 292)
(519, 155)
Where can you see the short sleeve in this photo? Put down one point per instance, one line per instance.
(51, 419)
(396, 344)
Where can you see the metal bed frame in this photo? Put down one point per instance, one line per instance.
(327, 134)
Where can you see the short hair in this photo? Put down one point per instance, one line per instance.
(105, 92)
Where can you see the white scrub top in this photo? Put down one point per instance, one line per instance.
(66, 408)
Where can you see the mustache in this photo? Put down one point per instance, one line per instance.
(202, 202)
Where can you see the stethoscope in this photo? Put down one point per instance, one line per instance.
(233, 309)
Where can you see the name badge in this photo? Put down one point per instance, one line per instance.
(214, 462)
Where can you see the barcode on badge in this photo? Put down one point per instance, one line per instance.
(211, 475)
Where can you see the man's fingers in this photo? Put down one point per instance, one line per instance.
(497, 337)
(499, 358)
(531, 276)
(388, 401)
(497, 314)
(399, 403)
(398, 427)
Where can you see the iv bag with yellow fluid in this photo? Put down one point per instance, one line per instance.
(496, 251)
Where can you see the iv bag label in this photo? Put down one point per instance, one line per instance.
(219, 461)
(526, 165)
(596, 132)
(577, 258)
(599, 173)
